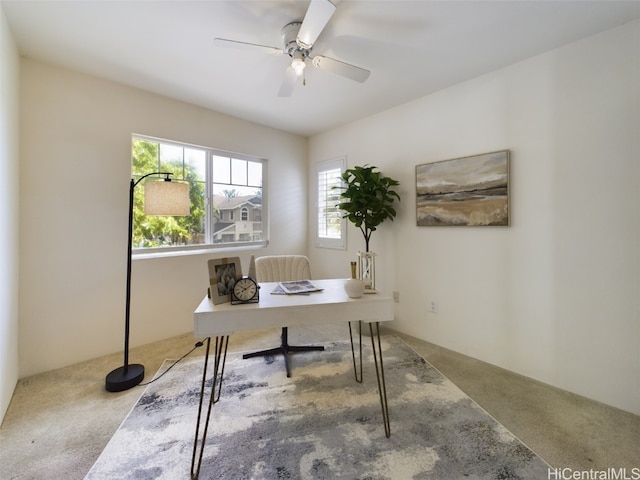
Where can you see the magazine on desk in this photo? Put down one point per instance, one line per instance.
(296, 287)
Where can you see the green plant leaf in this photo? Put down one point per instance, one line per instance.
(367, 198)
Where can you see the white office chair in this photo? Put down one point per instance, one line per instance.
(283, 268)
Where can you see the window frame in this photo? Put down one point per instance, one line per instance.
(209, 219)
(328, 242)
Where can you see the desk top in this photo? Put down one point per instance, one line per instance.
(331, 305)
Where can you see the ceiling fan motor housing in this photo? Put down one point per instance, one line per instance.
(289, 38)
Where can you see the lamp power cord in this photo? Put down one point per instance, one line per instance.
(158, 377)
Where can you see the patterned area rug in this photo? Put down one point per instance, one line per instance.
(318, 424)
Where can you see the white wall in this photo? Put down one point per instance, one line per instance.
(76, 169)
(555, 296)
(9, 188)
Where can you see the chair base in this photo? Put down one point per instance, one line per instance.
(284, 349)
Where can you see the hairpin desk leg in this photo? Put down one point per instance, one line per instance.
(382, 387)
(219, 358)
(353, 352)
(377, 358)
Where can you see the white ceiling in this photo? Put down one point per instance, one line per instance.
(412, 48)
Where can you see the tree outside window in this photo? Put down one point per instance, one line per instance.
(226, 195)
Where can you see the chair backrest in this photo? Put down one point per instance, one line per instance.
(282, 268)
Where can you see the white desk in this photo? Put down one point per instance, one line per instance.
(331, 305)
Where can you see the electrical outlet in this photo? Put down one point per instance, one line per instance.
(396, 297)
(433, 306)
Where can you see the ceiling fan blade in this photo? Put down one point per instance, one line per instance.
(289, 82)
(223, 42)
(316, 18)
(345, 69)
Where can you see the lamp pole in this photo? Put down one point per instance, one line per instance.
(128, 376)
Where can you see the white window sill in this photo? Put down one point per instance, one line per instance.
(194, 250)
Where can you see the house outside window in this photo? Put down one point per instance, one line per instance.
(222, 188)
(331, 228)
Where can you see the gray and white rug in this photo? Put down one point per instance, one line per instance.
(318, 424)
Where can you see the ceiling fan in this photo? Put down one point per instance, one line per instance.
(299, 38)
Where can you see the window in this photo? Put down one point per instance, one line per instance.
(331, 231)
(226, 193)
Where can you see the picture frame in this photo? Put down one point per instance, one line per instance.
(466, 191)
(223, 273)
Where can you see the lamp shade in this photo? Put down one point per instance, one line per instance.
(166, 198)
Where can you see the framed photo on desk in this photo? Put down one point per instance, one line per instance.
(223, 273)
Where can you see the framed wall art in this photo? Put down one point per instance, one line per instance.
(464, 191)
(223, 273)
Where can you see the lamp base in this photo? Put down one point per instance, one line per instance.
(124, 378)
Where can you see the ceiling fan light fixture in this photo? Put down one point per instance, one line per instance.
(298, 65)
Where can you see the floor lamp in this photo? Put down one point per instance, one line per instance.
(160, 198)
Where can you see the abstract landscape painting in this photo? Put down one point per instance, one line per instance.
(464, 191)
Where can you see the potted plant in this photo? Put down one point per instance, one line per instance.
(367, 201)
